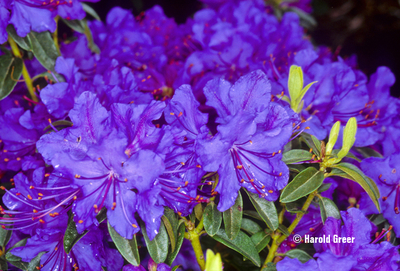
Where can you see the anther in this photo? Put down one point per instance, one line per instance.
(35, 211)
(6, 159)
(180, 114)
(186, 183)
(251, 142)
(77, 176)
(114, 205)
(47, 175)
(41, 221)
(75, 197)
(393, 170)
(311, 150)
(251, 180)
(242, 180)
(172, 113)
(40, 194)
(31, 187)
(270, 191)
(29, 197)
(18, 158)
(126, 179)
(280, 174)
(239, 167)
(198, 166)
(182, 163)
(179, 188)
(80, 221)
(262, 187)
(134, 225)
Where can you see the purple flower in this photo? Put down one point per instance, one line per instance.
(385, 172)
(238, 151)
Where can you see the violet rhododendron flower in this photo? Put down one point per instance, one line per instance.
(126, 142)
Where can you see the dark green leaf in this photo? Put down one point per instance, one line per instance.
(366, 183)
(20, 264)
(71, 236)
(324, 187)
(242, 244)
(5, 236)
(44, 49)
(377, 219)
(102, 215)
(170, 231)
(368, 152)
(77, 25)
(104, 268)
(233, 218)
(59, 124)
(298, 254)
(269, 267)
(252, 214)
(328, 209)
(10, 72)
(296, 168)
(260, 240)
(127, 248)
(175, 268)
(3, 264)
(294, 156)
(180, 237)
(294, 207)
(250, 226)
(89, 10)
(198, 211)
(35, 262)
(313, 143)
(283, 229)
(266, 209)
(303, 184)
(24, 43)
(12, 258)
(212, 219)
(158, 247)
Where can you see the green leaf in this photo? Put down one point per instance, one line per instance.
(295, 85)
(170, 231)
(44, 49)
(77, 25)
(269, 267)
(333, 135)
(175, 268)
(213, 261)
(355, 174)
(233, 218)
(10, 72)
(377, 219)
(303, 184)
(242, 244)
(295, 206)
(250, 226)
(5, 236)
(59, 124)
(3, 264)
(158, 247)
(198, 211)
(368, 152)
(266, 209)
(349, 137)
(283, 229)
(127, 248)
(212, 219)
(296, 168)
(295, 156)
(303, 92)
(71, 236)
(328, 209)
(102, 215)
(12, 258)
(35, 262)
(180, 237)
(24, 43)
(298, 254)
(324, 187)
(313, 143)
(89, 10)
(260, 240)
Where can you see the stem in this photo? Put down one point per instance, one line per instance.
(277, 240)
(55, 35)
(281, 214)
(25, 73)
(193, 235)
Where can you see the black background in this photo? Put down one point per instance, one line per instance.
(368, 28)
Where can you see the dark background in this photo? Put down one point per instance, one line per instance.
(368, 28)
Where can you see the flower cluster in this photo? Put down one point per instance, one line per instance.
(161, 127)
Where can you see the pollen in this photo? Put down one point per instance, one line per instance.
(126, 179)
(239, 167)
(80, 221)
(242, 180)
(39, 197)
(251, 180)
(6, 159)
(262, 187)
(42, 221)
(75, 197)
(180, 114)
(270, 191)
(134, 225)
(273, 154)
(186, 183)
(114, 205)
(29, 197)
(280, 174)
(40, 194)
(47, 175)
(35, 211)
(31, 187)
(198, 166)
(179, 213)
(179, 188)
(3, 226)
(172, 113)
(77, 176)
(311, 150)
(182, 163)
(3, 188)
(5, 151)
(95, 206)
